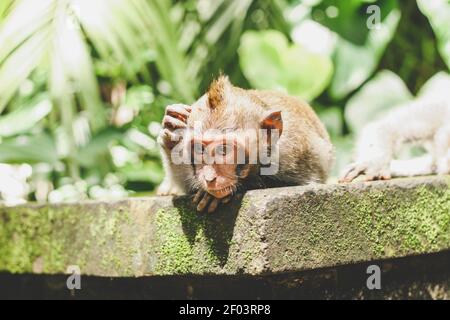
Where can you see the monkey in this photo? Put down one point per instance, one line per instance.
(425, 121)
(292, 146)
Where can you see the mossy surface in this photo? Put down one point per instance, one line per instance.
(130, 238)
(49, 239)
(26, 240)
(269, 231)
(346, 225)
(188, 242)
(417, 221)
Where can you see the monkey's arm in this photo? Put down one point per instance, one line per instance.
(174, 125)
(416, 121)
(419, 166)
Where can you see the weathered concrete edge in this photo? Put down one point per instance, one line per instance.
(270, 231)
(334, 225)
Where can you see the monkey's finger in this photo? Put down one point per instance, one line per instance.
(179, 111)
(204, 202)
(213, 205)
(169, 135)
(169, 138)
(173, 123)
(369, 178)
(345, 173)
(377, 174)
(352, 173)
(180, 105)
(226, 200)
(385, 175)
(198, 196)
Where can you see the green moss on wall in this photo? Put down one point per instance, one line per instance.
(345, 225)
(49, 239)
(266, 232)
(416, 221)
(26, 240)
(189, 242)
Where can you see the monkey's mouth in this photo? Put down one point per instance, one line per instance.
(220, 193)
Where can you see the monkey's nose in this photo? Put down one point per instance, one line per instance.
(209, 173)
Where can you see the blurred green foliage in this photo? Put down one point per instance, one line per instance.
(268, 61)
(83, 84)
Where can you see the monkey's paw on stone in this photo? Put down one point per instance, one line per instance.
(168, 189)
(204, 201)
(371, 171)
(443, 165)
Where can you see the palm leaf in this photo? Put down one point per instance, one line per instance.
(170, 60)
(56, 30)
(25, 118)
(29, 149)
(229, 15)
(5, 6)
(54, 35)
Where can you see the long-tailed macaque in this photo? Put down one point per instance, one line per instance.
(425, 121)
(232, 139)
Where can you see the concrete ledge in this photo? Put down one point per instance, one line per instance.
(270, 231)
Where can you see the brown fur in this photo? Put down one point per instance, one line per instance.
(305, 151)
(216, 93)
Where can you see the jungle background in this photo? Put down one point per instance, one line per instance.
(83, 84)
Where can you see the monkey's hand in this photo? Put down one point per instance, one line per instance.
(373, 170)
(204, 201)
(174, 123)
(168, 188)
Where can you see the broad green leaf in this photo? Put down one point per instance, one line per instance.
(28, 149)
(355, 63)
(438, 13)
(26, 117)
(346, 18)
(380, 95)
(268, 61)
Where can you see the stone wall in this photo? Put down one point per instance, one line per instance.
(271, 233)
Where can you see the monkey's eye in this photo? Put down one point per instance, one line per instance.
(222, 150)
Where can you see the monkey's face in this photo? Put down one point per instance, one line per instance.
(219, 164)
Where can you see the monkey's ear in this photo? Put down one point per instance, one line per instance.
(273, 121)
